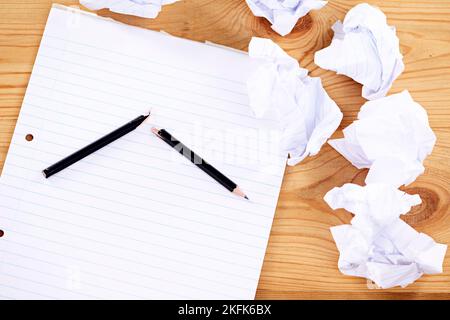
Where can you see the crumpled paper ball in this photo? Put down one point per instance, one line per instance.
(366, 49)
(378, 245)
(140, 8)
(392, 137)
(307, 115)
(283, 14)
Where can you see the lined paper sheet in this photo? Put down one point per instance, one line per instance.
(135, 220)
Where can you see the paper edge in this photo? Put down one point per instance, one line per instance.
(77, 9)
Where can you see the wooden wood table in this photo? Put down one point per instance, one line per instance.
(301, 259)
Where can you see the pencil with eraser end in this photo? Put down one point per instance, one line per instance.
(199, 162)
(94, 146)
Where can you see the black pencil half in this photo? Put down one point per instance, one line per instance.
(199, 162)
(94, 146)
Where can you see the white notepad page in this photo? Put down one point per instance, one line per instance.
(136, 219)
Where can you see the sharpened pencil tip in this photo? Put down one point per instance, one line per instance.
(240, 193)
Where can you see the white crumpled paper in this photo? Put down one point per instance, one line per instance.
(140, 8)
(366, 49)
(392, 137)
(308, 116)
(283, 14)
(378, 245)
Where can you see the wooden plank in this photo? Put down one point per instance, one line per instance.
(301, 259)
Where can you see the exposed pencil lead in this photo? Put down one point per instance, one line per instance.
(246, 197)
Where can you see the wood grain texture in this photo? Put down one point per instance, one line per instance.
(301, 259)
